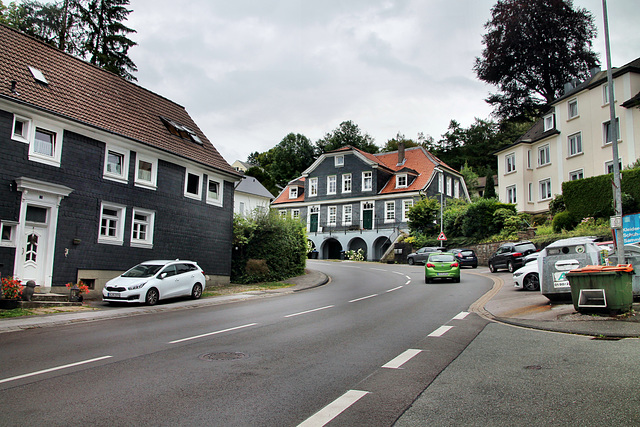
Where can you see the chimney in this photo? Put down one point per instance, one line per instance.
(400, 153)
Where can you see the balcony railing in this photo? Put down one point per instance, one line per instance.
(358, 227)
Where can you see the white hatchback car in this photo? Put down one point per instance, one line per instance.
(527, 277)
(152, 281)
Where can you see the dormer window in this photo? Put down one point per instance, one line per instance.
(401, 181)
(339, 161)
(548, 122)
(293, 192)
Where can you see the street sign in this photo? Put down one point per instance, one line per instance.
(442, 236)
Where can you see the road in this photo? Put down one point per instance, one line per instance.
(358, 350)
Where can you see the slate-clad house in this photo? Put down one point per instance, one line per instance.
(98, 174)
(353, 200)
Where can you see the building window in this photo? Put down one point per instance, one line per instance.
(293, 192)
(367, 181)
(214, 191)
(548, 122)
(313, 187)
(543, 155)
(545, 189)
(116, 164)
(440, 183)
(406, 206)
(389, 211)
(241, 208)
(347, 214)
(608, 166)
(456, 189)
(192, 185)
(605, 93)
(142, 228)
(606, 128)
(333, 215)
(346, 183)
(529, 159)
(510, 163)
(574, 175)
(449, 186)
(511, 194)
(331, 184)
(573, 108)
(401, 181)
(339, 161)
(146, 172)
(530, 195)
(8, 236)
(111, 224)
(283, 213)
(21, 128)
(295, 213)
(46, 146)
(575, 144)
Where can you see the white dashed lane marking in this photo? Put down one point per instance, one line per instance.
(402, 359)
(333, 409)
(309, 311)
(440, 331)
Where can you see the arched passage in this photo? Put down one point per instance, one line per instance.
(358, 243)
(380, 246)
(331, 249)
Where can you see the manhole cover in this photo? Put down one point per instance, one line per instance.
(223, 356)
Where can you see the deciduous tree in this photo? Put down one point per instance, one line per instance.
(348, 133)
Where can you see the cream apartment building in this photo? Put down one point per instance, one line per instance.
(571, 141)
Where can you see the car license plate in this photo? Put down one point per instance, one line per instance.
(443, 274)
(113, 294)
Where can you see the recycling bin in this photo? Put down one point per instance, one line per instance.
(632, 256)
(601, 288)
(558, 259)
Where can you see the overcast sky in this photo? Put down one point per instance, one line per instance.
(251, 71)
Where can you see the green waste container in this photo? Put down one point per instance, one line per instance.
(602, 288)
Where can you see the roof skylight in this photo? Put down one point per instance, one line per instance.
(37, 74)
(180, 130)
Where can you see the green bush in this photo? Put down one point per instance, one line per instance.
(479, 221)
(267, 248)
(563, 221)
(423, 216)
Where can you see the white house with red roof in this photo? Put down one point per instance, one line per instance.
(354, 200)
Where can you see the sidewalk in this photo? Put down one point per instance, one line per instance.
(503, 304)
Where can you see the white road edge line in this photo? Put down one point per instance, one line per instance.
(367, 297)
(402, 359)
(333, 409)
(44, 371)
(394, 289)
(461, 315)
(309, 311)
(440, 331)
(212, 333)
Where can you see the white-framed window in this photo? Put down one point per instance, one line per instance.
(295, 213)
(214, 191)
(406, 206)
(449, 186)
(390, 211)
(510, 163)
(367, 181)
(577, 174)
(44, 138)
(21, 128)
(8, 233)
(530, 195)
(605, 93)
(440, 183)
(142, 225)
(529, 160)
(111, 223)
(401, 181)
(456, 189)
(146, 173)
(548, 122)
(511, 194)
(241, 208)
(346, 183)
(608, 166)
(543, 155)
(338, 161)
(331, 184)
(347, 214)
(545, 189)
(332, 215)
(193, 185)
(572, 106)
(313, 187)
(575, 144)
(606, 126)
(116, 163)
(293, 192)
(283, 213)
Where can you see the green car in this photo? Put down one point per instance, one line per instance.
(441, 265)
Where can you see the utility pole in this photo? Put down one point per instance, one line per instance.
(616, 221)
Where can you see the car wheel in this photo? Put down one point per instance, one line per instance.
(411, 261)
(474, 266)
(531, 282)
(196, 292)
(456, 280)
(427, 280)
(152, 297)
(492, 268)
(510, 267)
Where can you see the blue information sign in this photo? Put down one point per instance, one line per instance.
(631, 228)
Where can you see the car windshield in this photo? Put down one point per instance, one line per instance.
(441, 258)
(143, 270)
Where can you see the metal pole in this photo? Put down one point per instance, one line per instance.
(613, 134)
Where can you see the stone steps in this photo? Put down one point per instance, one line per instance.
(39, 300)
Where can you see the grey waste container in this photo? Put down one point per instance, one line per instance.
(632, 256)
(559, 258)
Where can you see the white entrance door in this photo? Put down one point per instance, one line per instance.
(35, 256)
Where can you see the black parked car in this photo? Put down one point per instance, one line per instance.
(466, 257)
(511, 256)
(420, 256)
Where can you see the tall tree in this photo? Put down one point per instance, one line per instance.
(291, 157)
(107, 44)
(532, 48)
(348, 133)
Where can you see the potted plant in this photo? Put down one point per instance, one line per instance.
(11, 292)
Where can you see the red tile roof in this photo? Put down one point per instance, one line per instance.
(86, 94)
(283, 197)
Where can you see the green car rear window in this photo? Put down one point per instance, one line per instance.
(441, 258)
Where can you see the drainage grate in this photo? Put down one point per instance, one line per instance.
(222, 356)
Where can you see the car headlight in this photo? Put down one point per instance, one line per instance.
(138, 286)
(517, 274)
